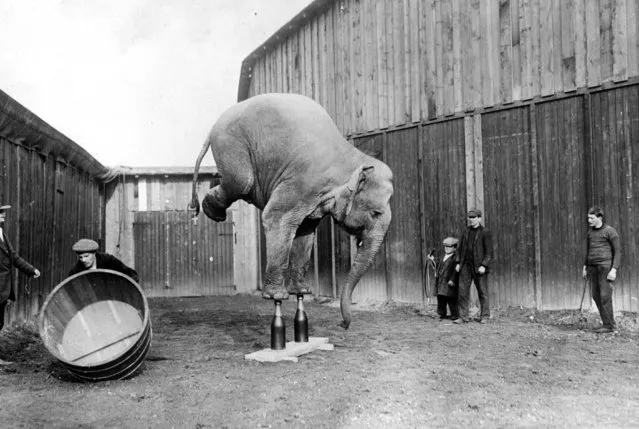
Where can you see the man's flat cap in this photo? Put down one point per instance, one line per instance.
(3, 208)
(450, 241)
(85, 245)
(474, 213)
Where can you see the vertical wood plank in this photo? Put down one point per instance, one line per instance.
(495, 30)
(535, 53)
(322, 63)
(487, 47)
(408, 53)
(448, 54)
(357, 73)
(457, 53)
(382, 63)
(620, 41)
(399, 65)
(478, 162)
(525, 66)
(469, 144)
(605, 31)
(632, 21)
(315, 60)
(593, 44)
(546, 52)
(427, 54)
(371, 99)
(331, 50)
(475, 55)
(465, 53)
(505, 52)
(568, 44)
(557, 52)
(579, 40)
(439, 57)
(415, 60)
(516, 50)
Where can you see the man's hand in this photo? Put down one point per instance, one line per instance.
(585, 272)
(457, 267)
(612, 275)
(481, 269)
(36, 273)
(451, 283)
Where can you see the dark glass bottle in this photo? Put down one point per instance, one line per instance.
(278, 329)
(300, 324)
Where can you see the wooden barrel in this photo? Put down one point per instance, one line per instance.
(97, 324)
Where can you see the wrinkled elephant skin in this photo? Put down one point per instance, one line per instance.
(284, 154)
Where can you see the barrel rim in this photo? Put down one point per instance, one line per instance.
(60, 285)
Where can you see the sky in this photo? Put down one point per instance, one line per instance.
(134, 82)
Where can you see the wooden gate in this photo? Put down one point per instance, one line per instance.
(176, 256)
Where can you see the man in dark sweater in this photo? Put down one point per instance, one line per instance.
(473, 257)
(89, 258)
(603, 257)
(9, 260)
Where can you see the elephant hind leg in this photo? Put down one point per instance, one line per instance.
(215, 203)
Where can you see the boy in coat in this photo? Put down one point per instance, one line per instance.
(446, 280)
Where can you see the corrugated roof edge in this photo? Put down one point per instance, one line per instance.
(21, 126)
(165, 171)
(310, 11)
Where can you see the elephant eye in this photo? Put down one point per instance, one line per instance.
(376, 213)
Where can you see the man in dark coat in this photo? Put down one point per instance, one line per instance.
(89, 258)
(446, 282)
(8, 260)
(473, 256)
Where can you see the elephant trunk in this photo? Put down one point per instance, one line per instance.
(368, 245)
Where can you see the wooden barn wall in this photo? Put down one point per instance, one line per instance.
(375, 63)
(53, 205)
(615, 169)
(508, 205)
(403, 240)
(562, 183)
(172, 193)
(170, 266)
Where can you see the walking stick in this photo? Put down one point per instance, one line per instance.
(583, 294)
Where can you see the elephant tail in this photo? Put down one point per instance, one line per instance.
(194, 205)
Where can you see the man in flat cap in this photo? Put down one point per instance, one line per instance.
(473, 257)
(446, 280)
(8, 260)
(90, 259)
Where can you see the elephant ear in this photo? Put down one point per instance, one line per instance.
(357, 183)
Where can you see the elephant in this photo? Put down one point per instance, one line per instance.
(284, 154)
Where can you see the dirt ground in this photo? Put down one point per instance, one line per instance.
(396, 367)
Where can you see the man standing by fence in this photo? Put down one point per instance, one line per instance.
(474, 255)
(603, 257)
(8, 260)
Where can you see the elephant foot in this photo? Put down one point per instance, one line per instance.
(299, 290)
(277, 294)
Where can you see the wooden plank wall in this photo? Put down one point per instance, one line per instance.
(508, 205)
(615, 168)
(403, 240)
(178, 257)
(53, 205)
(562, 181)
(380, 63)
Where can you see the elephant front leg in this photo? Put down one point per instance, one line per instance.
(300, 258)
(299, 261)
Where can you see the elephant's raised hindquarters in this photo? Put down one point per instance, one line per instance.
(215, 203)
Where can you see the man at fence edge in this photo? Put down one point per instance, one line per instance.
(8, 260)
(473, 256)
(603, 257)
(89, 259)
